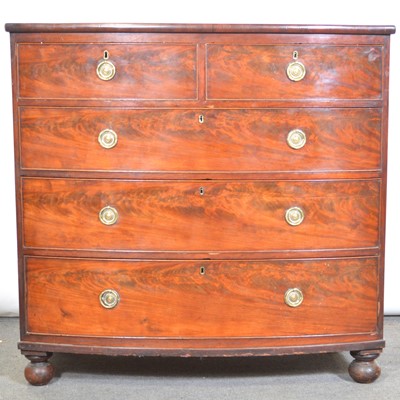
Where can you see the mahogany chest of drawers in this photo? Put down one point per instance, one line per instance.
(200, 190)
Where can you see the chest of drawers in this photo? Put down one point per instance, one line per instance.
(200, 190)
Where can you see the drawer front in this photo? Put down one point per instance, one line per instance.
(200, 216)
(259, 72)
(143, 71)
(201, 140)
(228, 299)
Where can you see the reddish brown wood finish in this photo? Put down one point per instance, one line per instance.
(175, 216)
(162, 140)
(155, 71)
(203, 28)
(173, 299)
(259, 72)
(364, 369)
(200, 347)
(235, 76)
(39, 371)
(202, 40)
(143, 71)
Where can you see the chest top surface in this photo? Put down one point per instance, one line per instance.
(202, 28)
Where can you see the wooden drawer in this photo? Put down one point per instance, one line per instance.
(225, 140)
(258, 72)
(200, 216)
(143, 71)
(229, 299)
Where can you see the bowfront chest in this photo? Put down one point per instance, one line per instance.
(200, 190)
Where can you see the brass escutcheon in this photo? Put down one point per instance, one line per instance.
(109, 298)
(296, 139)
(294, 216)
(105, 69)
(108, 215)
(108, 138)
(293, 297)
(296, 70)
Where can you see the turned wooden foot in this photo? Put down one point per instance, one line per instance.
(364, 368)
(39, 371)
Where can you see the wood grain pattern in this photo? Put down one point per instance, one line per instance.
(259, 72)
(144, 71)
(171, 299)
(174, 216)
(174, 140)
(235, 75)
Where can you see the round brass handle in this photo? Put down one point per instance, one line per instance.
(109, 298)
(293, 297)
(296, 139)
(108, 215)
(105, 70)
(108, 138)
(294, 216)
(296, 71)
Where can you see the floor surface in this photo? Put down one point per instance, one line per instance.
(307, 377)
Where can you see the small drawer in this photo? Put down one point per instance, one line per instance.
(201, 299)
(153, 71)
(200, 215)
(293, 72)
(163, 140)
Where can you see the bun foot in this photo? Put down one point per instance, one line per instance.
(39, 371)
(364, 368)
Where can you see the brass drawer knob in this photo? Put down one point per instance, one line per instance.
(294, 216)
(296, 70)
(296, 139)
(293, 297)
(108, 215)
(105, 68)
(108, 138)
(109, 298)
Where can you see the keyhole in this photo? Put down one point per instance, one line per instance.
(105, 54)
(202, 270)
(201, 119)
(295, 55)
(201, 191)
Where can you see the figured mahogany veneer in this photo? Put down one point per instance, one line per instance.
(206, 228)
(144, 71)
(254, 72)
(230, 299)
(176, 216)
(165, 140)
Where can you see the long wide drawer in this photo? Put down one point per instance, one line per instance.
(201, 299)
(200, 215)
(260, 72)
(152, 71)
(160, 140)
